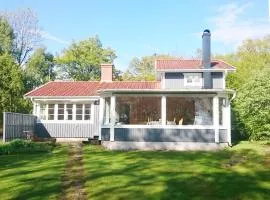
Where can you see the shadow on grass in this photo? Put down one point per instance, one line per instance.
(241, 174)
(32, 176)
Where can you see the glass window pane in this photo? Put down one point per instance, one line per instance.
(78, 117)
(51, 117)
(189, 111)
(180, 110)
(60, 111)
(51, 112)
(69, 108)
(79, 111)
(42, 111)
(87, 111)
(138, 110)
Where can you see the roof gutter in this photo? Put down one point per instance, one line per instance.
(165, 91)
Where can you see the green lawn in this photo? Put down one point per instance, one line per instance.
(32, 176)
(242, 172)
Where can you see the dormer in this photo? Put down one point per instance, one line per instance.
(202, 73)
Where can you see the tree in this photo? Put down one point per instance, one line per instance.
(251, 81)
(39, 69)
(81, 61)
(24, 23)
(6, 36)
(252, 106)
(144, 68)
(11, 82)
(11, 85)
(250, 58)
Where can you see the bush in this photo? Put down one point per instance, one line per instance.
(24, 146)
(252, 107)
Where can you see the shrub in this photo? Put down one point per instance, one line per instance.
(24, 146)
(252, 107)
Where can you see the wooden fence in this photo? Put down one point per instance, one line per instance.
(17, 125)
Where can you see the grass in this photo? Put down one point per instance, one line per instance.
(32, 176)
(242, 172)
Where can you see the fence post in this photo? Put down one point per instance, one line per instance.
(4, 127)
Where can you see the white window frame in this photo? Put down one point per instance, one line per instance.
(61, 114)
(55, 120)
(193, 84)
(45, 113)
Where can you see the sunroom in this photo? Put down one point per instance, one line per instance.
(67, 117)
(162, 116)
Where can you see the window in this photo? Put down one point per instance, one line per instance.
(42, 111)
(79, 111)
(189, 111)
(51, 112)
(138, 110)
(69, 108)
(87, 111)
(61, 111)
(65, 112)
(193, 79)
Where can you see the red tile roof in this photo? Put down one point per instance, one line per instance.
(175, 64)
(88, 88)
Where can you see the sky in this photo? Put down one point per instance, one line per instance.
(143, 27)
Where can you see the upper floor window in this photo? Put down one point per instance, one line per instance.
(193, 79)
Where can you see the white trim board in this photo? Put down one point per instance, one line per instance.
(177, 146)
(163, 126)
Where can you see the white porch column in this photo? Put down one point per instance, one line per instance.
(101, 114)
(163, 110)
(228, 121)
(112, 118)
(107, 112)
(216, 118)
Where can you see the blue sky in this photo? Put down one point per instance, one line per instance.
(143, 27)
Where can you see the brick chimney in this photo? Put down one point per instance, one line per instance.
(106, 72)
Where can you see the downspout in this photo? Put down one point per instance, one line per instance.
(233, 97)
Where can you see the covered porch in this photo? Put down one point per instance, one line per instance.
(165, 117)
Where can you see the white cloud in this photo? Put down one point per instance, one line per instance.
(48, 36)
(231, 29)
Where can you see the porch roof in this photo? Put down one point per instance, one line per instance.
(76, 89)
